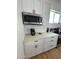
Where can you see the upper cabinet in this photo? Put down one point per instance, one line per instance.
(38, 6)
(41, 7)
(30, 5)
(27, 5)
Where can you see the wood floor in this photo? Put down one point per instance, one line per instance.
(52, 54)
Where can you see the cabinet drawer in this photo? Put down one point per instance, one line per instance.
(51, 46)
(34, 48)
(50, 39)
(50, 43)
(48, 47)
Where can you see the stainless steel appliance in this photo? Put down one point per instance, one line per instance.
(31, 19)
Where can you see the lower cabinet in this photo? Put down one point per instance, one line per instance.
(50, 43)
(33, 48)
(38, 46)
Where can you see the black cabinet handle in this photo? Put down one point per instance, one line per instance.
(51, 46)
(36, 46)
(52, 37)
(51, 40)
(36, 41)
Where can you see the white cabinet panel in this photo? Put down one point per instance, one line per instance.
(27, 5)
(30, 50)
(38, 6)
(30, 5)
(50, 43)
(38, 46)
(46, 44)
(34, 48)
(55, 40)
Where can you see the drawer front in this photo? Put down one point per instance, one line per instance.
(53, 40)
(51, 46)
(50, 43)
(48, 46)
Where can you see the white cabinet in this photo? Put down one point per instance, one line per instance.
(30, 5)
(33, 48)
(27, 5)
(36, 47)
(41, 7)
(39, 46)
(29, 50)
(38, 6)
(50, 43)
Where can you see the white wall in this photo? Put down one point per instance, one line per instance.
(20, 32)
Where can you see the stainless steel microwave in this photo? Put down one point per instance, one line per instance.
(31, 19)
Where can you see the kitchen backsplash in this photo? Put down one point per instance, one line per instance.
(39, 28)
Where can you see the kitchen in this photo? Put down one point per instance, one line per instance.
(41, 37)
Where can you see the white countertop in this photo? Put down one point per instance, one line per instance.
(30, 38)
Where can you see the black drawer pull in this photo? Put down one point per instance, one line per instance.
(36, 46)
(51, 40)
(51, 46)
(52, 37)
(36, 41)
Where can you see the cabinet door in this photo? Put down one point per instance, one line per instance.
(30, 50)
(27, 5)
(46, 44)
(38, 6)
(39, 48)
(33, 48)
